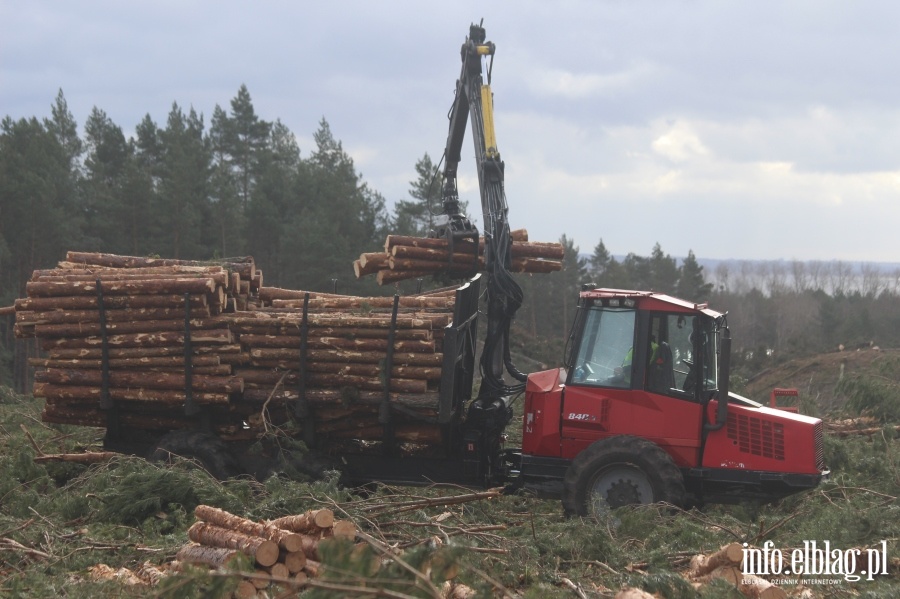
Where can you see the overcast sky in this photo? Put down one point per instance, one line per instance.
(748, 129)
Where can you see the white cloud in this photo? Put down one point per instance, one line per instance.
(679, 144)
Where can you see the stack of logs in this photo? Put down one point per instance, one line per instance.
(148, 304)
(413, 257)
(346, 348)
(243, 355)
(283, 550)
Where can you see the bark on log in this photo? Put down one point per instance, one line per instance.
(143, 287)
(143, 380)
(264, 551)
(41, 304)
(385, 277)
(293, 330)
(91, 329)
(373, 260)
(116, 353)
(269, 360)
(243, 265)
(218, 557)
(267, 294)
(338, 381)
(88, 457)
(220, 278)
(292, 342)
(259, 392)
(386, 303)
(310, 522)
(86, 392)
(112, 316)
(330, 320)
(287, 540)
(126, 363)
(344, 356)
(160, 339)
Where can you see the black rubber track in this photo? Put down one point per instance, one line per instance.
(657, 466)
(206, 448)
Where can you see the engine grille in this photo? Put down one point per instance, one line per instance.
(757, 436)
(820, 447)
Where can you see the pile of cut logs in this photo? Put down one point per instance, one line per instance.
(140, 333)
(412, 257)
(283, 550)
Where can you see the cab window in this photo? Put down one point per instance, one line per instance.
(605, 355)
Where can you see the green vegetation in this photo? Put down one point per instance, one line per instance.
(57, 520)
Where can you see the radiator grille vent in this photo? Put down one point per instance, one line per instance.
(820, 447)
(757, 436)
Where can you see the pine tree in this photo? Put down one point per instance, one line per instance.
(691, 283)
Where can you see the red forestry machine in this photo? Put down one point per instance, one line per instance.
(641, 411)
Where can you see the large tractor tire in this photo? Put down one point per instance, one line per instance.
(620, 471)
(208, 450)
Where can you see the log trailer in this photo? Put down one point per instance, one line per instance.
(641, 411)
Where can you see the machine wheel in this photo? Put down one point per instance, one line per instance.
(621, 471)
(205, 448)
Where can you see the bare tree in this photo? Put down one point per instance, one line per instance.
(799, 276)
(870, 280)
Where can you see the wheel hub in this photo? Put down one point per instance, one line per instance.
(622, 485)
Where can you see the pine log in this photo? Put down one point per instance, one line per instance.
(43, 304)
(292, 342)
(433, 254)
(338, 381)
(361, 357)
(112, 316)
(393, 276)
(86, 392)
(729, 555)
(147, 362)
(139, 379)
(331, 320)
(220, 278)
(264, 551)
(91, 329)
(344, 529)
(243, 265)
(259, 392)
(312, 568)
(267, 294)
(77, 268)
(293, 330)
(245, 590)
(116, 353)
(159, 339)
(309, 522)
(88, 457)
(143, 287)
(289, 362)
(408, 301)
(287, 540)
(411, 264)
(218, 557)
(373, 260)
(294, 561)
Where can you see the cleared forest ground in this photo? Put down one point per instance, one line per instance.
(59, 521)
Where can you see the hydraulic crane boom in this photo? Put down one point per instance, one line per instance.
(474, 102)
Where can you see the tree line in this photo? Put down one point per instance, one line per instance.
(240, 186)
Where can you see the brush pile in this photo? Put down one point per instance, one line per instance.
(413, 257)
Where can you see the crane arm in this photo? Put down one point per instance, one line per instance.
(474, 103)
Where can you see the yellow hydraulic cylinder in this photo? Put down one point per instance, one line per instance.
(487, 112)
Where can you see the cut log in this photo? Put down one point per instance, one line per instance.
(294, 561)
(91, 329)
(293, 330)
(264, 551)
(91, 316)
(112, 288)
(287, 540)
(164, 338)
(292, 343)
(344, 529)
(245, 590)
(243, 264)
(218, 557)
(141, 421)
(126, 363)
(393, 276)
(139, 379)
(88, 457)
(330, 320)
(140, 353)
(310, 522)
(87, 392)
(346, 356)
(729, 555)
(268, 359)
(386, 303)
